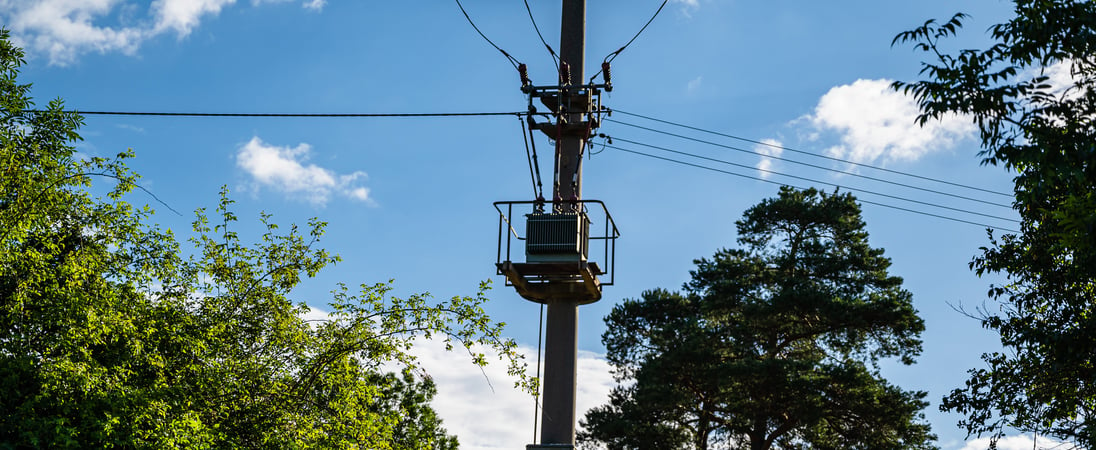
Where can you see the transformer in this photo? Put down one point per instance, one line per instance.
(557, 236)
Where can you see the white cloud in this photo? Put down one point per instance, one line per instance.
(767, 148)
(316, 316)
(1060, 77)
(133, 128)
(315, 5)
(1018, 443)
(465, 398)
(694, 85)
(183, 15)
(283, 169)
(61, 30)
(877, 124)
(688, 7)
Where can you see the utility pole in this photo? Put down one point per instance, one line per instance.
(561, 341)
(560, 271)
(572, 43)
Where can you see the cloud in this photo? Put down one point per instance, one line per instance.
(283, 169)
(1018, 443)
(183, 15)
(465, 398)
(876, 124)
(62, 30)
(767, 148)
(133, 128)
(694, 85)
(315, 316)
(1060, 78)
(688, 7)
(315, 5)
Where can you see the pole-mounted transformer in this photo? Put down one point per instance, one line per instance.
(569, 244)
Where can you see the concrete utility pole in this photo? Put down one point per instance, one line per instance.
(561, 342)
(559, 271)
(572, 53)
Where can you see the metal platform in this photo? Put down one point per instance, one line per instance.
(543, 282)
(559, 259)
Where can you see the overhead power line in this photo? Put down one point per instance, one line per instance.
(610, 57)
(531, 156)
(713, 169)
(895, 197)
(205, 114)
(781, 147)
(815, 166)
(555, 58)
(513, 61)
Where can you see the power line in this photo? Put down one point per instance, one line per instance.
(801, 188)
(610, 57)
(555, 58)
(531, 156)
(752, 141)
(895, 197)
(513, 61)
(815, 166)
(306, 115)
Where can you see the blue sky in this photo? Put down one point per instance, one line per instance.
(410, 199)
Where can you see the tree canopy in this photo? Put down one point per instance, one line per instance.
(113, 334)
(1033, 96)
(771, 346)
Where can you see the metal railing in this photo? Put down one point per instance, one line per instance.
(518, 242)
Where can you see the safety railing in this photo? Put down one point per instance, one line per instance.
(567, 228)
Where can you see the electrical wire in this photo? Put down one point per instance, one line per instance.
(528, 156)
(752, 141)
(815, 166)
(513, 61)
(713, 169)
(536, 163)
(555, 58)
(610, 57)
(895, 197)
(536, 396)
(203, 114)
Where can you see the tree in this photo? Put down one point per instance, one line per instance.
(1032, 96)
(112, 336)
(409, 399)
(772, 346)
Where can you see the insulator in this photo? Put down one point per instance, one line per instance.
(606, 74)
(523, 71)
(564, 74)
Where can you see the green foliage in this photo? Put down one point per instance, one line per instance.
(418, 426)
(1043, 128)
(775, 345)
(110, 337)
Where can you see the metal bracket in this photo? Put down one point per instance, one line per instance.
(565, 102)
